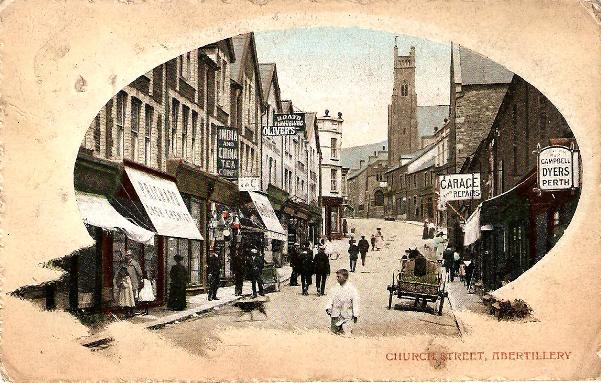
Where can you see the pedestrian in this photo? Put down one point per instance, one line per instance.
(469, 273)
(256, 264)
(343, 305)
(353, 251)
(306, 270)
(213, 275)
(363, 249)
(456, 262)
(426, 229)
(146, 295)
(295, 264)
(431, 230)
(439, 246)
(322, 269)
(123, 290)
(344, 227)
(239, 270)
(373, 242)
(135, 272)
(447, 263)
(379, 239)
(178, 281)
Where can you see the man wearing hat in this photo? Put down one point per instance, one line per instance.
(306, 270)
(178, 281)
(213, 274)
(295, 264)
(353, 251)
(256, 271)
(363, 249)
(135, 272)
(322, 269)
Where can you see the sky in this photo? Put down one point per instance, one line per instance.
(350, 70)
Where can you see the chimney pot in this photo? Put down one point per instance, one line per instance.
(340, 115)
(327, 113)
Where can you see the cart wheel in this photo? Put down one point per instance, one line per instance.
(390, 300)
(440, 305)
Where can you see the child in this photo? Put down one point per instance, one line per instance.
(146, 294)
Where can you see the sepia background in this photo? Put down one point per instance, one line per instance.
(61, 61)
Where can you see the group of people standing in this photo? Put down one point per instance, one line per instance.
(130, 284)
(304, 264)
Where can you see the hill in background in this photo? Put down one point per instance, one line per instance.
(351, 156)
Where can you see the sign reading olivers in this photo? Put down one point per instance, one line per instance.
(227, 152)
(558, 168)
(285, 124)
(458, 187)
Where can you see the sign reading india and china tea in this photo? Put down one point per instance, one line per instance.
(285, 124)
(227, 152)
(558, 168)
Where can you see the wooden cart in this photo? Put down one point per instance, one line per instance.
(429, 288)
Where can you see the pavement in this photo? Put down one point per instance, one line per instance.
(197, 305)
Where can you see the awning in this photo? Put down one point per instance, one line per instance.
(97, 211)
(270, 220)
(472, 228)
(164, 205)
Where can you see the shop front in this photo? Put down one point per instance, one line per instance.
(332, 217)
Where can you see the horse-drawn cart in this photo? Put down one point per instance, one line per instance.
(428, 285)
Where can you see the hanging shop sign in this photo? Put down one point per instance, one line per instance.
(227, 152)
(285, 124)
(459, 187)
(249, 184)
(558, 168)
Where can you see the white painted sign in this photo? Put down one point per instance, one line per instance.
(459, 187)
(249, 183)
(556, 170)
(164, 205)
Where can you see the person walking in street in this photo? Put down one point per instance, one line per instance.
(295, 264)
(322, 270)
(447, 262)
(426, 229)
(456, 261)
(306, 270)
(256, 264)
(178, 281)
(353, 251)
(363, 249)
(439, 246)
(379, 239)
(373, 242)
(469, 273)
(213, 275)
(343, 305)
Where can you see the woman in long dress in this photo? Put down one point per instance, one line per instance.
(124, 291)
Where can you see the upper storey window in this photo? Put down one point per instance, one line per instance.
(404, 88)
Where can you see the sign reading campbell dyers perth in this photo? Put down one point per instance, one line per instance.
(558, 168)
(458, 187)
(285, 124)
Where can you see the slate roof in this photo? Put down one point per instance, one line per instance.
(266, 71)
(382, 155)
(477, 69)
(430, 116)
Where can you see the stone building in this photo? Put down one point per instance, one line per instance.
(248, 104)
(271, 146)
(156, 135)
(402, 110)
(367, 186)
(520, 223)
(330, 138)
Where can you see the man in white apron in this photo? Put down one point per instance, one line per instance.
(343, 305)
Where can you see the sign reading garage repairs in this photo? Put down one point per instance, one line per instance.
(285, 124)
(558, 168)
(459, 187)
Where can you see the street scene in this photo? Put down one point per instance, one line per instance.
(226, 189)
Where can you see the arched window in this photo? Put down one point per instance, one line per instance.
(404, 88)
(379, 198)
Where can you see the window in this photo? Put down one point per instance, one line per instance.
(174, 120)
(194, 133)
(404, 88)
(218, 81)
(270, 168)
(379, 198)
(136, 106)
(334, 180)
(334, 148)
(188, 65)
(97, 133)
(148, 114)
(159, 139)
(185, 119)
(120, 122)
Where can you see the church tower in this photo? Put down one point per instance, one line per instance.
(402, 120)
